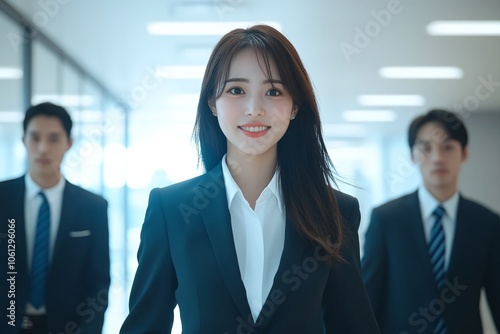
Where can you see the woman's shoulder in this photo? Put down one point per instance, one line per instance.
(210, 182)
(345, 202)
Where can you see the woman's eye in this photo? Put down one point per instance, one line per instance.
(274, 92)
(236, 91)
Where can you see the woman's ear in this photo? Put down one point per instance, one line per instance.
(295, 110)
(211, 104)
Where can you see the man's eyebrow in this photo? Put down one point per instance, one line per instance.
(426, 142)
(422, 142)
(52, 134)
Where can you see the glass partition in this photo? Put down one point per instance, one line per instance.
(11, 113)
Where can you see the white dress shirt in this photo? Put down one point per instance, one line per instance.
(32, 203)
(427, 206)
(259, 237)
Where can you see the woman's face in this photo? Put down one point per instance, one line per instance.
(253, 111)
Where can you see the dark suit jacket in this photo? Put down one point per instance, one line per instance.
(187, 257)
(398, 275)
(78, 278)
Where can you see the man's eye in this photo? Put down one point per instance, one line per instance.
(425, 148)
(448, 147)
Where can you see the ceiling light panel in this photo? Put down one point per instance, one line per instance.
(10, 73)
(464, 28)
(391, 100)
(369, 115)
(421, 72)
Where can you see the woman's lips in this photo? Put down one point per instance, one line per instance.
(254, 130)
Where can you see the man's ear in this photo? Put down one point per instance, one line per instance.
(465, 153)
(70, 143)
(412, 155)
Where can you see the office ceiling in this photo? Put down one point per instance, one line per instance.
(109, 38)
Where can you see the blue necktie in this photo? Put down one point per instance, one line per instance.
(40, 263)
(437, 254)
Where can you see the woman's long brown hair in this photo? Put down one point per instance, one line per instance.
(306, 170)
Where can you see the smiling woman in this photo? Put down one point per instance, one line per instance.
(253, 111)
(225, 246)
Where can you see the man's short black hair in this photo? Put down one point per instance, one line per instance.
(451, 123)
(50, 110)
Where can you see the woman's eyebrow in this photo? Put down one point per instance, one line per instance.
(273, 81)
(237, 80)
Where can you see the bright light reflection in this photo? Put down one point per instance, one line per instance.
(114, 165)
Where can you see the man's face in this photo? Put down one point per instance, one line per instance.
(438, 157)
(46, 143)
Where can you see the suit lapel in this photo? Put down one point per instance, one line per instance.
(460, 238)
(293, 255)
(217, 220)
(68, 216)
(416, 229)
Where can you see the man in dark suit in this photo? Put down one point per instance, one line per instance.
(54, 247)
(427, 255)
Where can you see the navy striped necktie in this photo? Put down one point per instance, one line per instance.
(437, 247)
(40, 263)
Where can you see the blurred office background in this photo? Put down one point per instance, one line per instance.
(130, 72)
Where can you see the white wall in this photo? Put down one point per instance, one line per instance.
(480, 179)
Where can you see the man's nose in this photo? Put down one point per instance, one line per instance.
(437, 154)
(43, 146)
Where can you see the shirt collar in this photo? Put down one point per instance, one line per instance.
(428, 204)
(32, 188)
(232, 189)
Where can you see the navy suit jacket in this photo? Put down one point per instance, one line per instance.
(78, 278)
(187, 257)
(398, 274)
